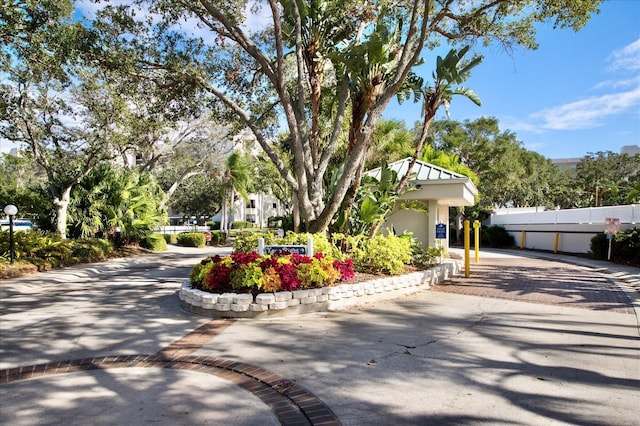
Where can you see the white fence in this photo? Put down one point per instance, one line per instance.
(567, 231)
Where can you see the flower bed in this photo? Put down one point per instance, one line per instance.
(250, 272)
(300, 301)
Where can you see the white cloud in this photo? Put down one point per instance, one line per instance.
(619, 95)
(627, 58)
(589, 112)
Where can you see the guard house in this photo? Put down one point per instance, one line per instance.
(436, 189)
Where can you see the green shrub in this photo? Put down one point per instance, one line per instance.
(191, 239)
(90, 249)
(321, 243)
(18, 269)
(155, 242)
(380, 254)
(171, 238)
(283, 222)
(247, 243)
(218, 237)
(625, 246)
(47, 251)
(241, 224)
(213, 226)
(599, 246)
(495, 236)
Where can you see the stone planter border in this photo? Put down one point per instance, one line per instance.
(286, 303)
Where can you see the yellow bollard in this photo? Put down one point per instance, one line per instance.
(522, 240)
(556, 243)
(467, 237)
(476, 234)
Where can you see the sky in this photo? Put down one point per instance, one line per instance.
(578, 93)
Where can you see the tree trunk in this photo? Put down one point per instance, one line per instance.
(175, 186)
(296, 213)
(61, 203)
(223, 213)
(231, 213)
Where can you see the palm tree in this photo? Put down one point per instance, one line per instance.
(451, 71)
(236, 179)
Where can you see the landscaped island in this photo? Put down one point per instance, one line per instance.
(247, 284)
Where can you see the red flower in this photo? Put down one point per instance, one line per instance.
(244, 258)
(289, 277)
(297, 259)
(218, 277)
(345, 268)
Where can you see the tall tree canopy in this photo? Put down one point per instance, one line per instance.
(509, 175)
(357, 54)
(316, 64)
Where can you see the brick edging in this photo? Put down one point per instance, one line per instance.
(291, 403)
(286, 303)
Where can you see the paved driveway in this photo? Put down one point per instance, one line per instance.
(522, 341)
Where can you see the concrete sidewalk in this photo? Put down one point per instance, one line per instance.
(435, 357)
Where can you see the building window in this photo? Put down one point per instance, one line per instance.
(251, 204)
(274, 205)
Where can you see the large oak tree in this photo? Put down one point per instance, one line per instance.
(315, 64)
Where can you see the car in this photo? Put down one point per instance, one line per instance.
(18, 225)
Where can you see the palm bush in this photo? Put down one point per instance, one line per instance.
(111, 200)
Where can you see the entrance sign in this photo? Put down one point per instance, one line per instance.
(441, 231)
(293, 249)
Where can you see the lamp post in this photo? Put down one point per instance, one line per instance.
(11, 210)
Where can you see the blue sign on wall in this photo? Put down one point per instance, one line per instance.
(441, 231)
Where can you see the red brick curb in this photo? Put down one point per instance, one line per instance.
(292, 404)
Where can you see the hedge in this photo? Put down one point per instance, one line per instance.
(191, 239)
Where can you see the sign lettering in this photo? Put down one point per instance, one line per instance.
(284, 248)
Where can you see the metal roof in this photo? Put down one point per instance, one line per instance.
(421, 171)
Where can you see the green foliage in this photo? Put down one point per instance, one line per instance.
(247, 243)
(213, 226)
(496, 236)
(155, 242)
(283, 222)
(218, 237)
(321, 243)
(386, 254)
(110, 198)
(269, 273)
(47, 251)
(247, 276)
(312, 275)
(607, 179)
(171, 238)
(374, 200)
(241, 224)
(599, 246)
(625, 246)
(192, 239)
